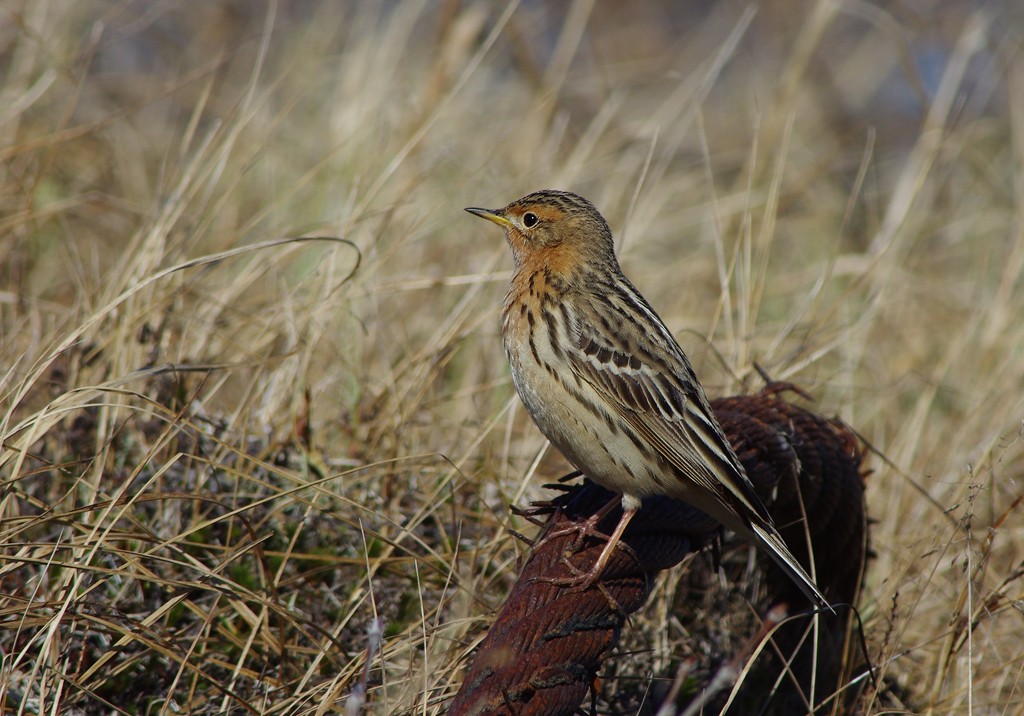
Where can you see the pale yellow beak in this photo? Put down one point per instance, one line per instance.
(491, 215)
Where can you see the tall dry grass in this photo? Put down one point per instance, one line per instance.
(252, 474)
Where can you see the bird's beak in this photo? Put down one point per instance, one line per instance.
(491, 215)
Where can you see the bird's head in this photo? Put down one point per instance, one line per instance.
(556, 230)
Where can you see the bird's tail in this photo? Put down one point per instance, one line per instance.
(772, 541)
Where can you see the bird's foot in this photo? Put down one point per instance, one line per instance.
(580, 579)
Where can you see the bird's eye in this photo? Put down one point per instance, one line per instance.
(530, 220)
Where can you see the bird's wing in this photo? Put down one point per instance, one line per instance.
(645, 376)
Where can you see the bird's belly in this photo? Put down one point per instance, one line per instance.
(574, 418)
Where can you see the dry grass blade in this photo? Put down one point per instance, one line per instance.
(226, 456)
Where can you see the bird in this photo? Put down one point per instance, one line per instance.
(609, 386)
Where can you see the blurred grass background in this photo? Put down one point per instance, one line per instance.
(240, 474)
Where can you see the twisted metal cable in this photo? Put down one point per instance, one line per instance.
(543, 652)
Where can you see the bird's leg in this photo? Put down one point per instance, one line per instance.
(590, 576)
(585, 579)
(585, 528)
